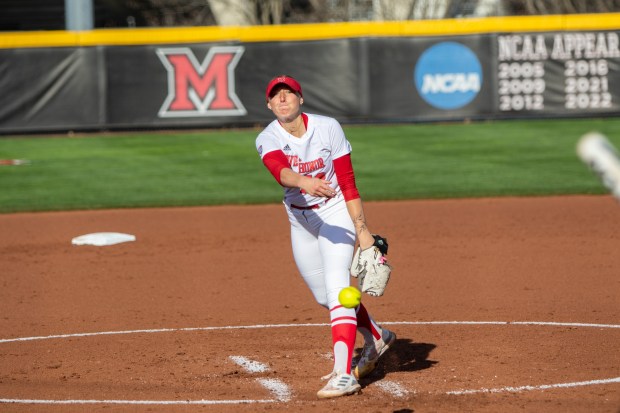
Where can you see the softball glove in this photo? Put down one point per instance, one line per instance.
(371, 268)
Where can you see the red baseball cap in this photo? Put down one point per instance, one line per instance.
(283, 79)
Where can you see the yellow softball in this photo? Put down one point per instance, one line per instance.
(350, 297)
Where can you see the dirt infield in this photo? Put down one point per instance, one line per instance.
(500, 305)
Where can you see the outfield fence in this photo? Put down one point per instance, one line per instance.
(415, 71)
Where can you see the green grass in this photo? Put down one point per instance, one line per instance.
(519, 158)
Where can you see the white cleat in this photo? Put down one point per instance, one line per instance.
(339, 385)
(371, 353)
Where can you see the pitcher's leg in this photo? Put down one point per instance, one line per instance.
(377, 341)
(309, 262)
(367, 327)
(336, 240)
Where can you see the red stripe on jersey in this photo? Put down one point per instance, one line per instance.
(275, 161)
(346, 177)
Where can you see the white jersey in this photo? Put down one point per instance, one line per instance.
(312, 154)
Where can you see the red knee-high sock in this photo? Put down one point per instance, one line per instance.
(367, 326)
(344, 327)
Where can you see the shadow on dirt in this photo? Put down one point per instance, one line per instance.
(404, 355)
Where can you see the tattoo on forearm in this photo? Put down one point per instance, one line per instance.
(360, 223)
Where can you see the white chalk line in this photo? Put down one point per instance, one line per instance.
(393, 388)
(280, 389)
(160, 330)
(274, 385)
(248, 365)
(277, 387)
(262, 326)
(149, 402)
(520, 389)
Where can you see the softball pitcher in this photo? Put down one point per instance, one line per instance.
(309, 156)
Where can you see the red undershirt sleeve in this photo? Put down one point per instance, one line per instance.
(346, 178)
(275, 161)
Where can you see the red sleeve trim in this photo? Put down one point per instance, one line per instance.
(275, 161)
(346, 177)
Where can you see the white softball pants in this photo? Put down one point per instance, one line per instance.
(323, 240)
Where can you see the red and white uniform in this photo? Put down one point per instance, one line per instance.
(313, 154)
(322, 232)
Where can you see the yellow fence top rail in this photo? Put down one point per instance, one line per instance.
(308, 32)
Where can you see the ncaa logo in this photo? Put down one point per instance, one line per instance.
(448, 75)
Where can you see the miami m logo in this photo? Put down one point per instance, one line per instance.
(196, 89)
